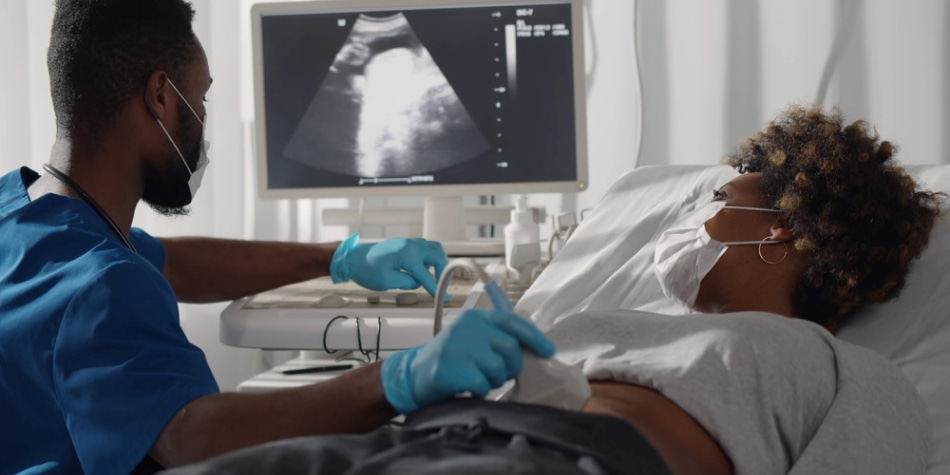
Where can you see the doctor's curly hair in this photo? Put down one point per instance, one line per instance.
(859, 216)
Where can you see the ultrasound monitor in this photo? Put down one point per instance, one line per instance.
(433, 98)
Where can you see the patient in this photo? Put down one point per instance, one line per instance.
(820, 223)
(847, 224)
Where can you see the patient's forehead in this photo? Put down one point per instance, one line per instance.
(745, 189)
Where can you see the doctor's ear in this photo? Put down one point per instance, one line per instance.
(157, 98)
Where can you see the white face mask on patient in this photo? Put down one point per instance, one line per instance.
(685, 252)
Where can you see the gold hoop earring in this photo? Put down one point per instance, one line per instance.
(772, 262)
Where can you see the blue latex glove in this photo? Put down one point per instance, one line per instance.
(393, 264)
(479, 351)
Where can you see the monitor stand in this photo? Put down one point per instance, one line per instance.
(443, 220)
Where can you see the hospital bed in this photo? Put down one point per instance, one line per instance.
(607, 265)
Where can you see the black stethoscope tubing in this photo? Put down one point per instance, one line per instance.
(91, 202)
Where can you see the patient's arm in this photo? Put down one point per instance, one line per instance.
(684, 445)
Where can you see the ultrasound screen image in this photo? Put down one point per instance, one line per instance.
(385, 109)
(419, 96)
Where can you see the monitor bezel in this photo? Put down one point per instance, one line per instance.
(343, 6)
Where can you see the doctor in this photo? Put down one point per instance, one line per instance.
(97, 375)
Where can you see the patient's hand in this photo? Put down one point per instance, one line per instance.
(684, 445)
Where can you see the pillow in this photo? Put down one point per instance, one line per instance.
(914, 329)
(607, 264)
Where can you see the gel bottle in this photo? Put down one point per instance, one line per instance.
(522, 242)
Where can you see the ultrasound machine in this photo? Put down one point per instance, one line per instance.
(390, 98)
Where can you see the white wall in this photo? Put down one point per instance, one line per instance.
(14, 82)
(713, 71)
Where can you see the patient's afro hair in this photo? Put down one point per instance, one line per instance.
(102, 52)
(858, 215)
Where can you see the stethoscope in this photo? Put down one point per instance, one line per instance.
(91, 202)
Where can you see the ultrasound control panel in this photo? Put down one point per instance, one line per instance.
(321, 315)
(322, 293)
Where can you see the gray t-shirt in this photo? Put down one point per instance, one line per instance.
(779, 395)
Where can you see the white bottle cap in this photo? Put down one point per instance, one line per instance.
(522, 214)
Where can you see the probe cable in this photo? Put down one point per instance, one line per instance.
(359, 339)
(444, 285)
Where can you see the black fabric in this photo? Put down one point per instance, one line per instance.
(148, 466)
(459, 437)
(614, 443)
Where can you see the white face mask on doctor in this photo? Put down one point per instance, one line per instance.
(194, 181)
(685, 252)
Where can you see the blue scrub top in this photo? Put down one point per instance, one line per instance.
(93, 360)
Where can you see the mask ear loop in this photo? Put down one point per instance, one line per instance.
(761, 256)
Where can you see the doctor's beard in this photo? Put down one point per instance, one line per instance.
(166, 189)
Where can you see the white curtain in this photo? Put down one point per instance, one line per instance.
(715, 71)
(711, 72)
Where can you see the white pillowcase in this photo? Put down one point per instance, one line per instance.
(607, 264)
(914, 329)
